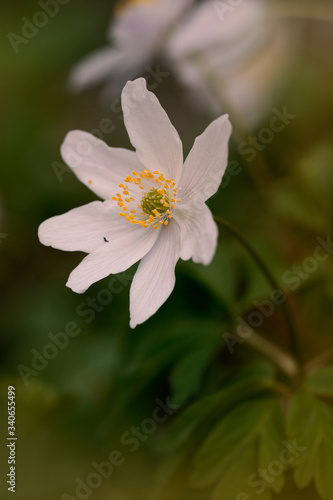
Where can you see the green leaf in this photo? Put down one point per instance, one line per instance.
(270, 447)
(247, 382)
(243, 427)
(157, 351)
(320, 382)
(310, 426)
(235, 481)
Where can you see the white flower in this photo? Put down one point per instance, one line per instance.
(233, 49)
(154, 207)
(136, 34)
(240, 59)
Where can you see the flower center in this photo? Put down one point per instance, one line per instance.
(156, 199)
(154, 207)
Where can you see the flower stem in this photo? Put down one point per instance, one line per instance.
(286, 363)
(319, 361)
(271, 280)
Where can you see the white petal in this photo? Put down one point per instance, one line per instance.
(96, 67)
(207, 161)
(155, 277)
(157, 142)
(252, 89)
(114, 66)
(137, 32)
(198, 232)
(81, 229)
(129, 243)
(218, 24)
(98, 166)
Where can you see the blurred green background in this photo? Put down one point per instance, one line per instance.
(74, 411)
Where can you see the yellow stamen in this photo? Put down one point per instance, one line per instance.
(154, 206)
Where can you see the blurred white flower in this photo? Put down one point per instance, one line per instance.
(154, 207)
(136, 35)
(223, 52)
(240, 58)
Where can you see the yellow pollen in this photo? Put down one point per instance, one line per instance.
(153, 207)
(90, 182)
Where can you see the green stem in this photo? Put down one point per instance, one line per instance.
(286, 363)
(271, 280)
(319, 361)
